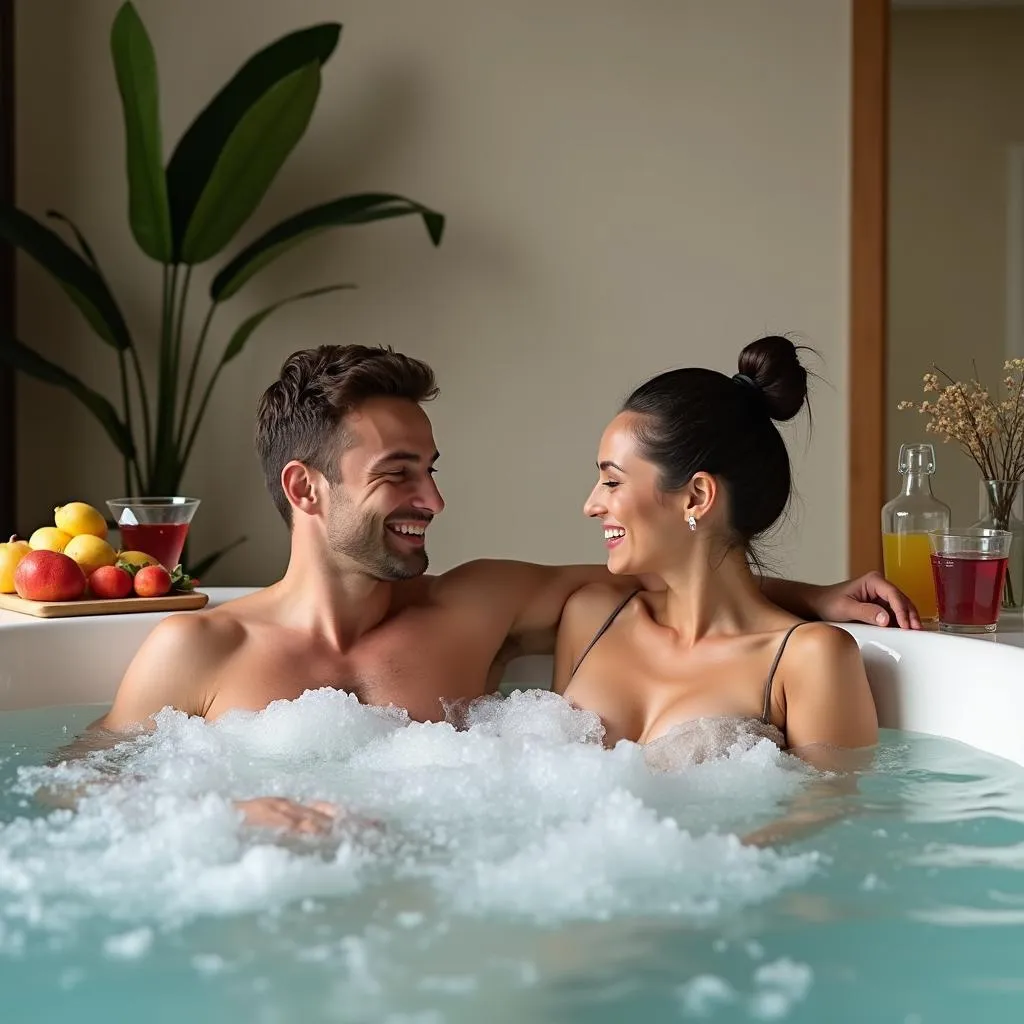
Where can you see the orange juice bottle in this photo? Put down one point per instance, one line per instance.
(906, 522)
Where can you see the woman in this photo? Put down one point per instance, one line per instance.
(692, 471)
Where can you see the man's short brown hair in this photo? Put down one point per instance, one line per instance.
(299, 414)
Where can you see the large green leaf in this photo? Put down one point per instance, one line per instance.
(246, 328)
(199, 149)
(250, 161)
(358, 209)
(83, 284)
(135, 69)
(23, 358)
(86, 248)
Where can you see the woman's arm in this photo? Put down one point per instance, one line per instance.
(826, 695)
(831, 723)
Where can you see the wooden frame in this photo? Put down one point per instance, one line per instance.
(8, 466)
(868, 269)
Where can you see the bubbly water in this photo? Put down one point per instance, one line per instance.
(512, 870)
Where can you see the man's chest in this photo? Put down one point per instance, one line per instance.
(417, 666)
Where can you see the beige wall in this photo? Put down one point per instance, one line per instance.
(957, 108)
(630, 187)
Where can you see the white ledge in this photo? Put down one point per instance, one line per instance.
(965, 688)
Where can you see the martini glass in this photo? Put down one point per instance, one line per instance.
(156, 526)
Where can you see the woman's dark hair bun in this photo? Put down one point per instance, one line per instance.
(775, 369)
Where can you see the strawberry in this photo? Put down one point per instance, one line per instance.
(110, 581)
(181, 582)
(152, 581)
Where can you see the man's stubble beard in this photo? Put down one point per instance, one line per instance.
(360, 538)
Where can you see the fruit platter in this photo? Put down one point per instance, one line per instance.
(70, 568)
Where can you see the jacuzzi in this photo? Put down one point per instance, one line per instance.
(969, 689)
(517, 870)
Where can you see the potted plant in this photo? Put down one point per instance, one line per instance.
(990, 431)
(183, 214)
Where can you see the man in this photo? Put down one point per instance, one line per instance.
(348, 454)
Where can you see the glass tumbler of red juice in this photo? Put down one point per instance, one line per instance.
(969, 567)
(156, 526)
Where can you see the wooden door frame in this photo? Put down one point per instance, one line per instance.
(867, 413)
(8, 466)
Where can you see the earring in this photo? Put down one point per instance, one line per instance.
(692, 523)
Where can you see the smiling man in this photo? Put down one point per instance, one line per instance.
(348, 454)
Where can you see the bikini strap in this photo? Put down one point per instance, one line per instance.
(604, 628)
(766, 710)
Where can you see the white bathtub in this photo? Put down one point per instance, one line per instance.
(968, 689)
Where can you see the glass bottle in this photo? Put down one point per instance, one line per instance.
(906, 523)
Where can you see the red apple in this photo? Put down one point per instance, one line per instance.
(49, 576)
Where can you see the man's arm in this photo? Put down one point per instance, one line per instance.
(870, 598)
(171, 668)
(532, 597)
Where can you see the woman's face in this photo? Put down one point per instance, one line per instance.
(645, 528)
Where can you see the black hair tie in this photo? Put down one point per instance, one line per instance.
(755, 390)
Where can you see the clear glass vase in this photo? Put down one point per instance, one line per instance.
(1002, 508)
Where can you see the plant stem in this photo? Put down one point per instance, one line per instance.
(141, 466)
(179, 327)
(193, 370)
(201, 410)
(126, 403)
(163, 450)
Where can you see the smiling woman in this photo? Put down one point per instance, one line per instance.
(693, 471)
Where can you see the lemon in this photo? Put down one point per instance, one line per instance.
(76, 518)
(49, 538)
(90, 552)
(136, 558)
(11, 554)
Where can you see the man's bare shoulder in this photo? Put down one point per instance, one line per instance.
(215, 632)
(175, 666)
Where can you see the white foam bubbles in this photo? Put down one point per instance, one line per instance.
(776, 988)
(129, 945)
(620, 859)
(535, 713)
(518, 814)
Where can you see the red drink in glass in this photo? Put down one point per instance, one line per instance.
(156, 526)
(969, 590)
(163, 541)
(969, 568)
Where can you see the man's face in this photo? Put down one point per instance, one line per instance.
(379, 512)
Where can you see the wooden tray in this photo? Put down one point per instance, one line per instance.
(106, 606)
